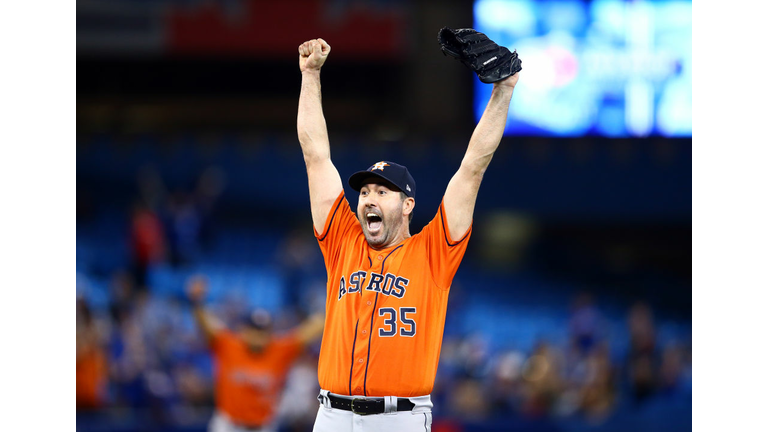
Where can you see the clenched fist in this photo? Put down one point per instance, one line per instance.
(312, 54)
(197, 287)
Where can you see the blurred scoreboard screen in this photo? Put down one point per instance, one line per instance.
(604, 67)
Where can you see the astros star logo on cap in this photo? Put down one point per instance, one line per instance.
(379, 166)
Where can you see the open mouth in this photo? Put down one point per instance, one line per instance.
(374, 222)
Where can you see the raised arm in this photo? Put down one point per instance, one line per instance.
(460, 196)
(324, 180)
(311, 329)
(197, 287)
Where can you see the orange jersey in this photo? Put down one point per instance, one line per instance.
(248, 384)
(91, 378)
(385, 310)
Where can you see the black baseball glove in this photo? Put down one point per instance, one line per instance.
(490, 61)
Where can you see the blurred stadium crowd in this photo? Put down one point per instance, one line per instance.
(520, 352)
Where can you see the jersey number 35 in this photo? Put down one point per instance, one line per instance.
(407, 326)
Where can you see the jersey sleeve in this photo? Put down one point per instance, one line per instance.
(443, 255)
(338, 225)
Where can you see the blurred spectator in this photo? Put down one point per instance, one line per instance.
(121, 290)
(467, 400)
(598, 392)
(192, 386)
(301, 266)
(91, 372)
(507, 389)
(298, 406)
(251, 364)
(185, 222)
(642, 351)
(672, 369)
(471, 364)
(188, 216)
(474, 352)
(585, 323)
(543, 384)
(147, 242)
(129, 357)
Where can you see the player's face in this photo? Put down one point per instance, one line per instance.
(380, 211)
(254, 338)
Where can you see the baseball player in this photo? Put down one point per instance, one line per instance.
(92, 369)
(387, 290)
(251, 365)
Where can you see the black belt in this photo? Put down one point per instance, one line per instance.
(365, 406)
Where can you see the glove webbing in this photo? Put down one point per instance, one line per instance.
(481, 47)
(469, 36)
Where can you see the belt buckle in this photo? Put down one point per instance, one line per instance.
(353, 406)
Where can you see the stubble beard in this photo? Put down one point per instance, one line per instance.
(388, 226)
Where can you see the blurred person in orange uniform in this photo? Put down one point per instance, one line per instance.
(250, 365)
(91, 369)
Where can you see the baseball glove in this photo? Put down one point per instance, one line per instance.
(488, 60)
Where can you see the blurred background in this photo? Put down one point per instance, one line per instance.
(572, 308)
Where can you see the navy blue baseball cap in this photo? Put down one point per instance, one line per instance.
(259, 319)
(394, 173)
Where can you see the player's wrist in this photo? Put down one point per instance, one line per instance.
(507, 83)
(311, 72)
(504, 91)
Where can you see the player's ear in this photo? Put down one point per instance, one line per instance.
(408, 205)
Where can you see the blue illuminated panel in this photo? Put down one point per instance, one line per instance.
(605, 67)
